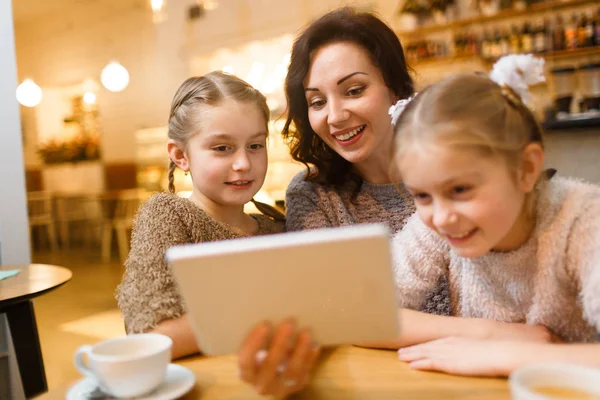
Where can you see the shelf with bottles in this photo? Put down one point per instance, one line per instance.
(535, 8)
(576, 37)
(554, 55)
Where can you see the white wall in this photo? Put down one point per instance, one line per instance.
(14, 236)
(14, 227)
(236, 22)
(65, 48)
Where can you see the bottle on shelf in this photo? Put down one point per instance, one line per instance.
(515, 40)
(589, 32)
(539, 37)
(458, 44)
(504, 43)
(548, 46)
(571, 33)
(472, 45)
(495, 47)
(526, 39)
(486, 44)
(597, 28)
(558, 36)
(581, 31)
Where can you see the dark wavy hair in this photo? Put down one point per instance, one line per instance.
(341, 25)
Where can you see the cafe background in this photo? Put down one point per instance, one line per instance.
(95, 82)
(63, 46)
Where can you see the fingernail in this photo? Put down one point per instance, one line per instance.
(403, 355)
(281, 368)
(260, 357)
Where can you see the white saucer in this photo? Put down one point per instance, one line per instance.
(178, 382)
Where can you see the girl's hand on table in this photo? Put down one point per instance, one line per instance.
(278, 362)
(474, 357)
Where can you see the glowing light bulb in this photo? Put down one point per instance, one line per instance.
(114, 77)
(29, 94)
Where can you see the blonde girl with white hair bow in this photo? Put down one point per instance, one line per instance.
(516, 244)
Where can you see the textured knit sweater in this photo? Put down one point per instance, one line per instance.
(311, 205)
(148, 294)
(553, 279)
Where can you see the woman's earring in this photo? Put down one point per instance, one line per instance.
(186, 173)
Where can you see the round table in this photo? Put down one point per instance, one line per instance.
(346, 372)
(16, 294)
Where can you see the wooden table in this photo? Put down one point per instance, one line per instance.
(344, 373)
(16, 294)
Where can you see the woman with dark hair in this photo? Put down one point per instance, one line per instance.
(346, 70)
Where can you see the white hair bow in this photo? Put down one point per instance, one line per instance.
(397, 108)
(519, 72)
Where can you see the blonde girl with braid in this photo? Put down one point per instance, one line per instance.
(517, 245)
(217, 133)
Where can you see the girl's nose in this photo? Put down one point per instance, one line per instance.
(241, 161)
(443, 216)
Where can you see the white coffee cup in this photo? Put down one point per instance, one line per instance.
(525, 382)
(127, 366)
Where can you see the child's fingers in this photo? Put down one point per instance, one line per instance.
(253, 344)
(292, 377)
(412, 353)
(283, 342)
(425, 364)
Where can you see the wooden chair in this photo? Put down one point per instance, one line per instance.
(41, 214)
(119, 218)
(79, 210)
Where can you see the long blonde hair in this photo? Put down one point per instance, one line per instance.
(198, 94)
(472, 111)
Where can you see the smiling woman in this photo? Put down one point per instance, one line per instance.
(346, 70)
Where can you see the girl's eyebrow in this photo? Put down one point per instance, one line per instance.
(449, 182)
(226, 136)
(455, 179)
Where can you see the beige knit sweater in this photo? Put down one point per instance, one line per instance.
(148, 294)
(553, 279)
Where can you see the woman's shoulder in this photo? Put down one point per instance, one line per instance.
(302, 183)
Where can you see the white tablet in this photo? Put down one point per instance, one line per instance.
(336, 281)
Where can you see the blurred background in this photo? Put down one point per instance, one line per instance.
(106, 70)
